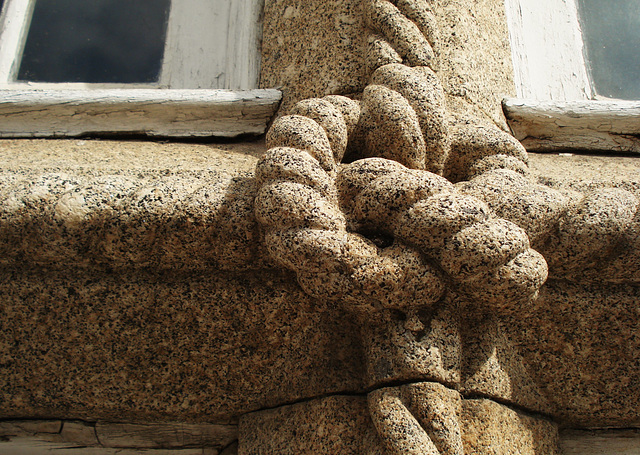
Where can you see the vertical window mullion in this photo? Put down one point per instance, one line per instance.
(213, 44)
(14, 26)
(243, 42)
(547, 50)
(195, 51)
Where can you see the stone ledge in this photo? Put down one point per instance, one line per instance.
(585, 172)
(166, 346)
(119, 205)
(69, 310)
(113, 204)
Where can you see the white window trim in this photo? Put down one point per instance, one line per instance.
(207, 85)
(213, 44)
(547, 50)
(557, 108)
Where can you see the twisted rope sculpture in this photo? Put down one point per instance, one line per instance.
(388, 232)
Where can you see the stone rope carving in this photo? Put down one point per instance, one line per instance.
(427, 207)
(388, 232)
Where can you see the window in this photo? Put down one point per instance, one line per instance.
(112, 62)
(576, 70)
(611, 34)
(97, 41)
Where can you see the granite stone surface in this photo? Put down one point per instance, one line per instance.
(369, 307)
(417, 418)
(580, 344)
(88, 338)
(149, 346)
(586, 172)
(447, 424)
(421, 87)
(474, 57)
(332, 425)
(115, 204)
(391, 127)
(492, 364)
(317, 48)
(114, 296)
(493, 429)
(313, 48)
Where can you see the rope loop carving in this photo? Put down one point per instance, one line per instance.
(325, 220)
(429, 203)
(315, 213)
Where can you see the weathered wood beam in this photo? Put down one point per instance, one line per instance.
(151, 112)
(575, 125)
(165, 435)
(104, 438)
(600, 442)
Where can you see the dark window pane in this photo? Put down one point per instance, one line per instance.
(118, 41)
(611, 32)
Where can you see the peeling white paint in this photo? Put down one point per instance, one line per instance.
(547, 50)
(578, 125)
(182, 113)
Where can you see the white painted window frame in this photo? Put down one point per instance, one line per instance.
(547, 50)
(211, 64)
(556, 108)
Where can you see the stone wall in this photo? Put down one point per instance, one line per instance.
(367, 279)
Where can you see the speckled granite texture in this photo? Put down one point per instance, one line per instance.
(153, 329)
(116, 320)
(583, 349)
(586, 172)
(320, 47)
(313, 48)
(369, 279)
(439, 272)
(341, 425)
(122, 205)
(145, 346)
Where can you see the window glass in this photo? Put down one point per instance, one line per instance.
(611, 33)
(109, 41)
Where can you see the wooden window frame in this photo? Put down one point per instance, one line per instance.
(195, 96)
(556, 108)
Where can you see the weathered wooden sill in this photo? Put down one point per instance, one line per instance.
(69, 437)
(150, 112)
(575, 125)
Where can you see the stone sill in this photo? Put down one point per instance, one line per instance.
(181, 331)
(128, 204)
(124, 204)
